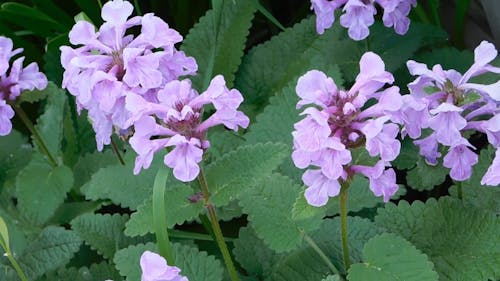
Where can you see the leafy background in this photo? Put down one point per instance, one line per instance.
(90, 218)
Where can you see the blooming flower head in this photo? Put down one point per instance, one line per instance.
(447, 105)
(338, 122)
(155, 268)
(359, 15)
(176, 120)
(15, 80)
(111, 63)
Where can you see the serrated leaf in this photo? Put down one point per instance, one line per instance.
(37, 95)
(90, 163)
(392, 258)
(253, 255)
(50, 123)
(195, 265)
(408, 156)
(119, 184)
(180, 209)
(460, 240)
(305, 264)
(99, 272)
(236, 171)
(41, 189)
(277, 228)
(425, 176)
(103, 233)
(15, 153)
(53, 248)
(332, 278)
(481, 197)
(218, 39)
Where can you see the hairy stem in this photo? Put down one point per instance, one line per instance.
(159, 218)
(322, 255)
(343, 223)
(27, 122)
(216, 228)
(117, 152)
(459, 190)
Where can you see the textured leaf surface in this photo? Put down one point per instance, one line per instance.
(103, 233)
(180, 209)
(101, 271)
(52, 249)
(218, 39)
(305, 264)
(15, 153)
(41, 189)
(392, 258)
(460, 240)
(425, 176)
(237, 170)
(195, 265)
(89, 164)
(332, 278)
(277, 228)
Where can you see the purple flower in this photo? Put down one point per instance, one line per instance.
(492, 176)
(337, 121)
(155, 268)
(448, 105)
(359, 15)
(14, 81)
(110, 64)
(175, 119)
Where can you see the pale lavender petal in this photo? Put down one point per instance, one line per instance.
(429, 149)
(460, 160)
(357, 18)
(157, 33)
(184, 158)
(447, 123)
(324, 11)
(116, 12)
(384, 185)
(6, 113)
(372, 75)
(315, 87)
(155, 268)
(311, 132)
(320, 188)
(492, 175)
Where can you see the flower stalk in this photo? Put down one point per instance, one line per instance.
(159, 218)
(216, 227)
(322, 255)
(343, 223)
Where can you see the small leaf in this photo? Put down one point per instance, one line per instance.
(425, 176)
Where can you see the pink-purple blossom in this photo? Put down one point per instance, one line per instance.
(155, 268)
(337, 121)
(176, 120)
(14, 79)
(359, 15)
(110, 63)
(444, 104)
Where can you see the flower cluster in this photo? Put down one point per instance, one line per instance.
(155, 268)
(339, 122)
(14, 81)
(176, 119)
(359, 15)
(447, 104)
(111, 63)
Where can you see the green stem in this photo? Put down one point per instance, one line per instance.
(459, 189)
(137, 8)
(159, 218)
(117, 152)
(318, 250)
(216, 228)
(99, 3)
(16, 266)
(343, 223)
(27, 122)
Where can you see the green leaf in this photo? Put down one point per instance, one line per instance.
(100, 271)
(50, 123)
(15, 153)
(332, 278)
(70, 210)
(479, 196)
(195, 265)
(52, 249)
(41, 189)
(103, 233)
(4, 235)
(90, 163)
(253, 255)
(120, 185)
(218, 39)
(37, 95)
(460, 240)
(305, 264)
(277, 228)
(390, 257)
(425, 176)
(448, 58)
(408, 156)
(180, 209)
(236, 171)
(159, 210)
(30, 18)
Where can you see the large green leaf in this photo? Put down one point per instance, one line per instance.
(41, 189)
(180, 209)
(15, 153)
(460, 240)
(52, 249)
(99, 272)
(305, 263)
(425, 176)
(195, 265)
(389, 257)
(237, 170)
(218, 40)
(277, 227)
(90, 163)
(103, 233)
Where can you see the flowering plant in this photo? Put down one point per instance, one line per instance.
(140, 140)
